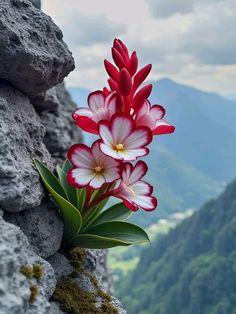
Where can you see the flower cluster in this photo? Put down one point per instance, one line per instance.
(125, 121)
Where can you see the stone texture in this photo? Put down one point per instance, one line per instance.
(35, 56)
(16, 252)
(42, 226)
(36, 3)
(61, 130)
(60, 264)
(21, 140)
(46, 101)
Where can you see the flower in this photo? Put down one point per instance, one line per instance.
(134, 192)
(91, 167)
(151, 116)
(122, 140)
(102, 106)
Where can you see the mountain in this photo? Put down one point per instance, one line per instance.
(193, 268)
(193, 164)
(205, 128)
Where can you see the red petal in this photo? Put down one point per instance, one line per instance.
(87, 124)
(141, 95)
(132, 65)
(113, 85)
(131, 206)
(111, 70)
(141, 75)
(163, 129)
(118, 59)
(125, 82)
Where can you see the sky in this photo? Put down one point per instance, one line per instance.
(189, 41)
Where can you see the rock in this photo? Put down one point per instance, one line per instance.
(55, 308)
(46, 101)
(36, 3)
(35, 56)
(61, 265)
(61, 130)
(21, 140)
(15, 292)
(42, 226)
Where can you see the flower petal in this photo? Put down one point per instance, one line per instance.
(109, 151)
(137, 173)
(87, 124)
(148, 203)
(157, 111)
(82, 112)
(111, 174)
(141, 137)
(122, 126)
(132, 154)
(105, 133)
(162, 127)
(80, 177)
(80, 156)
(97, 181)
(96, 101)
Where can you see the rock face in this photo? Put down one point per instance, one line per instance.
(35, 56)
(36, 3)
(61, 130)
(42, 225)
(16, 289)
(21, 140)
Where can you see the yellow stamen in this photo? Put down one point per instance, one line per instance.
(119, 147)
(98, 169)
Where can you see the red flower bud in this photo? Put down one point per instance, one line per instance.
(124, 47)
(132, 65)
(141, 75)
(106, 91)
(120, 49)
(113, 85)
(119, 61)
(141, 95)
(111, 70)
(125, 82)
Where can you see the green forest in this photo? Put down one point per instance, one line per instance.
(192, 269)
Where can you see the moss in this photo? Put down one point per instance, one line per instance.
(38, 271)
(73, 299)
(27, 271)
(34, 292)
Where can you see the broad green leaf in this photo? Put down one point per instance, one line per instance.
(121, 231)
(91, 241)
(116, 212)
(67, 166)
(49, 178)
(69, 213)
(70, 191)
(81, 196)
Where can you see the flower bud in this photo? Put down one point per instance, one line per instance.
(141, 75)
(141, 95)
(125, 82)
(113, 85)
(132, 65)
(111, 70)
(119, 61)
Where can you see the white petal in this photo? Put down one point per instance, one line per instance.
(132, 154)
(145, 202)
(82, 176)
(157, 111)
(121, 127)
(105, 134)
(141, 188)
(107, 150)
(111, 174)
(96, 101)
(82, 157)
(146, 120)
(97, 181)
(83, 112)
(139, 138)
(138, 172)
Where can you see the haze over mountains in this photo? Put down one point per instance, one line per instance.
(193, 164)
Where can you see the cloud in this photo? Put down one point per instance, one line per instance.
(85, 30)
(164, 8)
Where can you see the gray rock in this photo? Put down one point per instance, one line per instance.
(42, 226)
(55, 308)
(21, 140)
(61, 130)
(60, 264)
(35, 56)
(36, 3)
(46, 101)
(16, 252)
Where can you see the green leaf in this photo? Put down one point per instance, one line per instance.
(91, 241)
(67, 166)
(70, 191)
(49, 178)
(81, 196)
(69, 213)
(111, 234)
(116, 212)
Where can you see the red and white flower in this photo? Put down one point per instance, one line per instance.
(122, 140)
(92, 167)
(152, 117)
(101, 107)
(134, 192)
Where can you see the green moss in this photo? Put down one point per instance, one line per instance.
(34, 292)
(73, 299)
(27, 271)
(38, 271)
